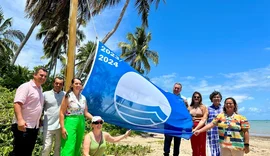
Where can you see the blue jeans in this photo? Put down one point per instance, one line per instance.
(167, 145)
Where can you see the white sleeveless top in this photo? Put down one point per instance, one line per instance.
(75, 106)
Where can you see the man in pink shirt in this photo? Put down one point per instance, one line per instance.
(28, 105)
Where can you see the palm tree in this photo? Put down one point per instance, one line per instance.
(36, 10)
(83, 53)
(7, 36)
(137, 51)
(55, 33)
(39, 10)
(143, 7)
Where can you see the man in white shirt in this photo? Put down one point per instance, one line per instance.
(51, 127)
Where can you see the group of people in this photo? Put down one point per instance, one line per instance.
(64, 120)
(220, 130)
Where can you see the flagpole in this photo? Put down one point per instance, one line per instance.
(71, 43)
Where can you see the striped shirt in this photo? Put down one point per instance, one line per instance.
(234, 124)
(213, 147)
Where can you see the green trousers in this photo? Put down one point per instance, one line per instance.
(74, 125)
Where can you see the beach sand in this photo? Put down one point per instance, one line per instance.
(259, 146)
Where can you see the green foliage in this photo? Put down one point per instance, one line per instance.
(8, 39)
(12, 76)
(6, 116)
(121, 150)
(137, 52)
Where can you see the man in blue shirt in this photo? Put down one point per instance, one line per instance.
(177, 88)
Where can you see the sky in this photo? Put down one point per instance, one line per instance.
(205, 45)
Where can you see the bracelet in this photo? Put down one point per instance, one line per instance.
(246, 144)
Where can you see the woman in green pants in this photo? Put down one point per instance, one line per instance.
(72, 112)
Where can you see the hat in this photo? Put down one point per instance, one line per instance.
(96, 118)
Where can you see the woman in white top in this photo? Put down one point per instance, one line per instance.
(72, 122)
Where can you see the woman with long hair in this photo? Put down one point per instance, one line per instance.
(72, 119)
(199, 113)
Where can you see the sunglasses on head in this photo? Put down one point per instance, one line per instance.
(97, 122)
(196, 97)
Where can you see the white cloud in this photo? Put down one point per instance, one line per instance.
(165, 81)
(190, 77)
(267, 48)
(254, 109)
(241, 98)
(249, 79)
(242, 109)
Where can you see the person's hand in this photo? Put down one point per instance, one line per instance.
(127, 133)
(196, 132)
(246, 149)
(64, 133)
(22, 125)
(40, 123)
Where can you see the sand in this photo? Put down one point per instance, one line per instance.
(259, 146)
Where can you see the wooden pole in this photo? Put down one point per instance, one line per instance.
(71, 42)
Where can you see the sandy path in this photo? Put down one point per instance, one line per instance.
(259, 146)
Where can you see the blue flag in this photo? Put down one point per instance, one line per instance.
(118, 93)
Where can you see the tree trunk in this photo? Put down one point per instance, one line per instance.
(105, 39)
(55, 64)
(23, 42)
(34, 24)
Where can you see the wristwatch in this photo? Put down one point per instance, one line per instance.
(246, 144)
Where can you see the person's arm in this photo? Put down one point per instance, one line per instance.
(203, 120)
(86, 145)
(112, 139)
(63, 110)
(18, 113)
(246, 141)
(87, 114)
(186, 103)
(205, 128)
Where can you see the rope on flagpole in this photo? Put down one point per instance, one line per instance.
(92, 54)
(92, 19)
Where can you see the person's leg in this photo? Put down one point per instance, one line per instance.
(57, 144)
(176, 147)
(18, 141)
(80, 134)
(24, 142)
(33, 134)
(226, 152)
(167, 144)
(47, 142)
(68, 144)
(195, 142)
(201, 144)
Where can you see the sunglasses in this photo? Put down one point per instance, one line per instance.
(196, 97)
(97, 122)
